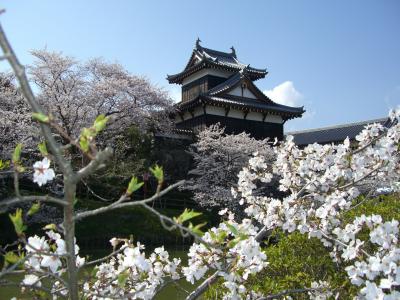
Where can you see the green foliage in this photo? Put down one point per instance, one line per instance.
(132, 155)
(43, 149)
(197, 228)
(295, 260)
(16, 157)
(88, 134)
(50, 227)
(158, 173)
(17, 221)
(122, 278)
(34, 209)
(136, 221)
(85, 138)
(388, 206)
(40, 117)
(100, 123)
(187, 215)
(11, 257)
(134, 185)
(4, 164)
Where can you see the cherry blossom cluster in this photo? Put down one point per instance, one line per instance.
(46, 259)
(320, 290)
(320, 182)
(383, 265)
(233, 251)
(130, 275)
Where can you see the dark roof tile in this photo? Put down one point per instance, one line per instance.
(331, 134)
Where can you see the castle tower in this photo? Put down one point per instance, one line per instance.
(218, 88)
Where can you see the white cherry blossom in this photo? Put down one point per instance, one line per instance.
(42, 172)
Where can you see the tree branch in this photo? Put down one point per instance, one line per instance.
(19, 71)
(21, 199)
(101, 157)
(120, 203)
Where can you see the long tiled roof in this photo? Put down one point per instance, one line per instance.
(218, 96)
(208, 58)
(331, 134)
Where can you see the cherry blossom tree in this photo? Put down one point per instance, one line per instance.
(16, 124)
(218, 158)
(76, 93)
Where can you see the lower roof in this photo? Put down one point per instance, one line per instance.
(331, 134)
(242, 103)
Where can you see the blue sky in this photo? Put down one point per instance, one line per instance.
(340, 59)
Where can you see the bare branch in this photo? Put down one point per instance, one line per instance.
(101, 157)
(120, 203)
(203, 286)
(93, 262)
(21, 199)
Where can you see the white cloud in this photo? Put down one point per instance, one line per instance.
(175, 93)
(285, 94)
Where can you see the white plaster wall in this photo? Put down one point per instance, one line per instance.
(274, 119)
(237, 91)
(238, 114)
(233, 113)
(204, 72)
(254, 116)
(215, 110)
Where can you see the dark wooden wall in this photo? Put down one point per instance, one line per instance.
(256, 129)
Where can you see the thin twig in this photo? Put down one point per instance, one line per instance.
(120, 203)
(100, 157)
(93, 262)
(47, 198)
(94, 193)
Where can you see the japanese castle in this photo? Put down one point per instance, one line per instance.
(218, 88)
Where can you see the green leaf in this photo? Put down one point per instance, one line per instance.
(40, 117)
(122, 278)
(221, 236)
(87, 133)
(186, 215)
(196, 229)
(11, 257)
(34, 209)
(16, 219)
(43, 149)
(4, 164)
(100, 123)
(158, 173)
(233, 242)
(51, 226)
(94, 271)
(134, 185)
(84, 143)
(17, 154)
(232, 228)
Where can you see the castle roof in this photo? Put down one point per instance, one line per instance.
(219, 96)
(203, 58)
